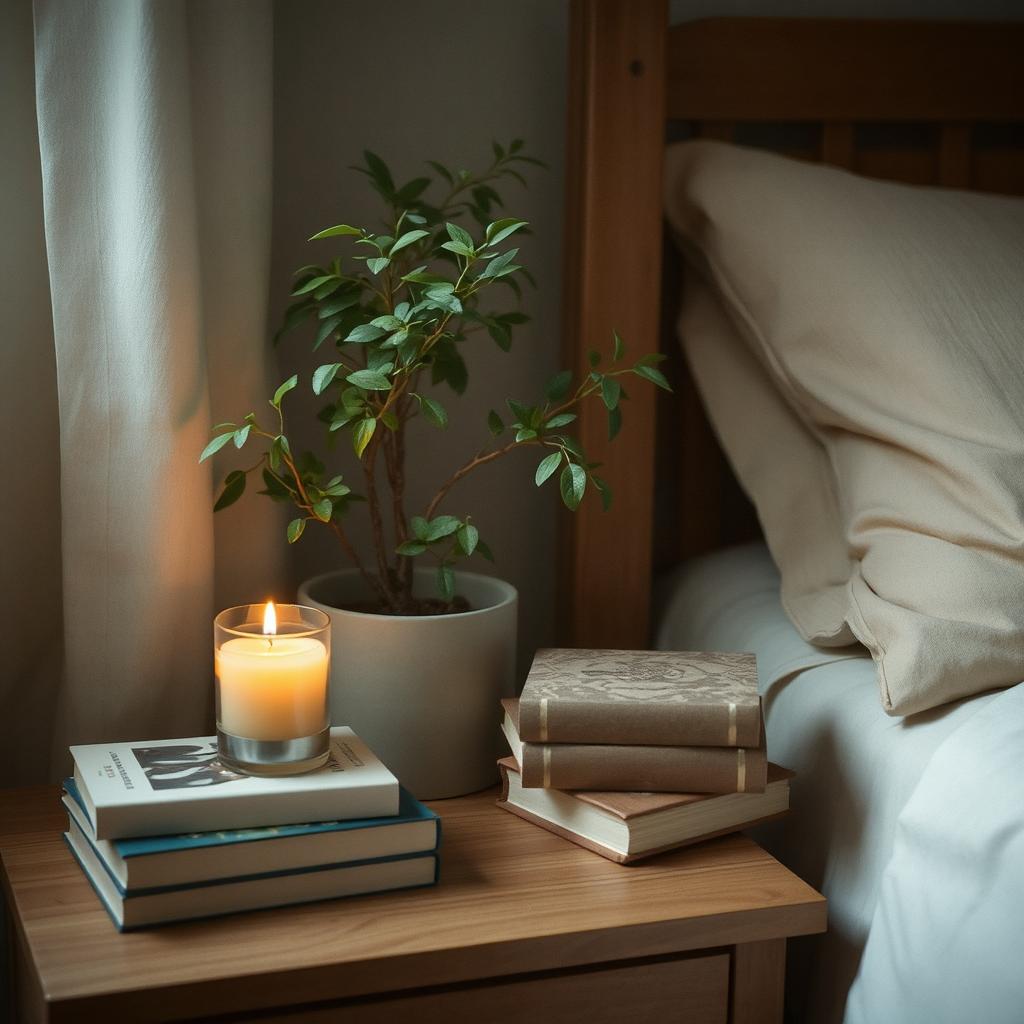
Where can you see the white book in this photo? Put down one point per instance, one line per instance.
(161, 906)
(162, 787)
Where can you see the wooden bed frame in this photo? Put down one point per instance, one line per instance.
(917, 101)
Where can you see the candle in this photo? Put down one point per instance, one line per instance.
(272, 687)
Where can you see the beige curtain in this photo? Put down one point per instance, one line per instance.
(153, 150)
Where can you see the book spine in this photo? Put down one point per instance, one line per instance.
(644, 768)
(694, 725)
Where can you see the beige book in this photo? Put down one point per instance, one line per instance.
(655, 698)
(629, 768)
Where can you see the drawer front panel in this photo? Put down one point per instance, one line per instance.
(694, 990)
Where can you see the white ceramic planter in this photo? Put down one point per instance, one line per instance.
(423, 691)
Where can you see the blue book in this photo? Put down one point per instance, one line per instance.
(157, 862)
(146, 907)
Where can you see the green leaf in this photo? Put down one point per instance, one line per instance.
(215, 446)
(377, 264)
(525, 434)
(483, 549)
(498, 265)
(223, 428)
(389, 419)
(338, 305)
(338, 229)
(295, 528)
(593, 357)
(283, 390)
(295, 314)
(313, 284)
(611, 389)
(361, 435)
(379, 171)
(323, 509)
(364, 333)
(457, 234)
(326, 329)
(441, 526)
(282, 442)
(547, 466)
(604, 490)
(234, 487)
(446, 581)
(614, 422)
(561, 420)
(242, 434)
(558, 386)
(442, 170)
(459, 248)
(411, 548)
(407, 239)
(387, 322)
(327, 288)
(468, 537)
(620, 349)
(369, 380)
(573, 483)
(494, 423)
(434, 411)
(653, 375)
(323, 375)
(499, 230)
(651, 359)
(420, 527)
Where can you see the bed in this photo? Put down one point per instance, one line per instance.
(912, 825)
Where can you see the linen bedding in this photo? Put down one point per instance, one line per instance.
(913, 828)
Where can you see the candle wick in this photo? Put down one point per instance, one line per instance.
(270, 640)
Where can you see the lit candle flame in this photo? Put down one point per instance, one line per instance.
(270, 620)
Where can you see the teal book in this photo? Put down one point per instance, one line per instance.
(147, 907)
(170, 861)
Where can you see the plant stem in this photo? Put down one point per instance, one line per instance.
(480, 459)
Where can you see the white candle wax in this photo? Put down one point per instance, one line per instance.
(272, 688)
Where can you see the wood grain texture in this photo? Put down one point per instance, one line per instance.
(835, 69)
(758, 982)
(612, 275)
(513, 899)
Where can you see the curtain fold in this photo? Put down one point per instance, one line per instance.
(154, 121)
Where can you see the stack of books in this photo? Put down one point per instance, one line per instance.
(165, 833)
(633, 752)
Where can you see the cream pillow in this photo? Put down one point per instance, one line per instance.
(881, 328)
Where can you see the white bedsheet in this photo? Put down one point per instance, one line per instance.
(913, 828)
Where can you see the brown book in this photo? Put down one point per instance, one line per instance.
(656, 698)
(635, 767)
(625, 827)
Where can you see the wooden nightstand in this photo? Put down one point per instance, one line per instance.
(522, 927)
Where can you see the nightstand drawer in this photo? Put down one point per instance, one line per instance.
(692, 990)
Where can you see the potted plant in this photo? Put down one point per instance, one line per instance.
(423, 650)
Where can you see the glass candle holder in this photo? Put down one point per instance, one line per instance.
(272, 666)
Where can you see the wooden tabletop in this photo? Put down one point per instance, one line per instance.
(512, 898)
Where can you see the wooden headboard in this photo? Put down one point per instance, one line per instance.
(916, 101)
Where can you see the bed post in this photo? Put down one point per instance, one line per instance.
(612, 257)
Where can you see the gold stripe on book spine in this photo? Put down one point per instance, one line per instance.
(741, 770)
(731, 741)
(547, 767)
(544, 720)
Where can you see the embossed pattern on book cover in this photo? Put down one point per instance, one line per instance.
(655, 697)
